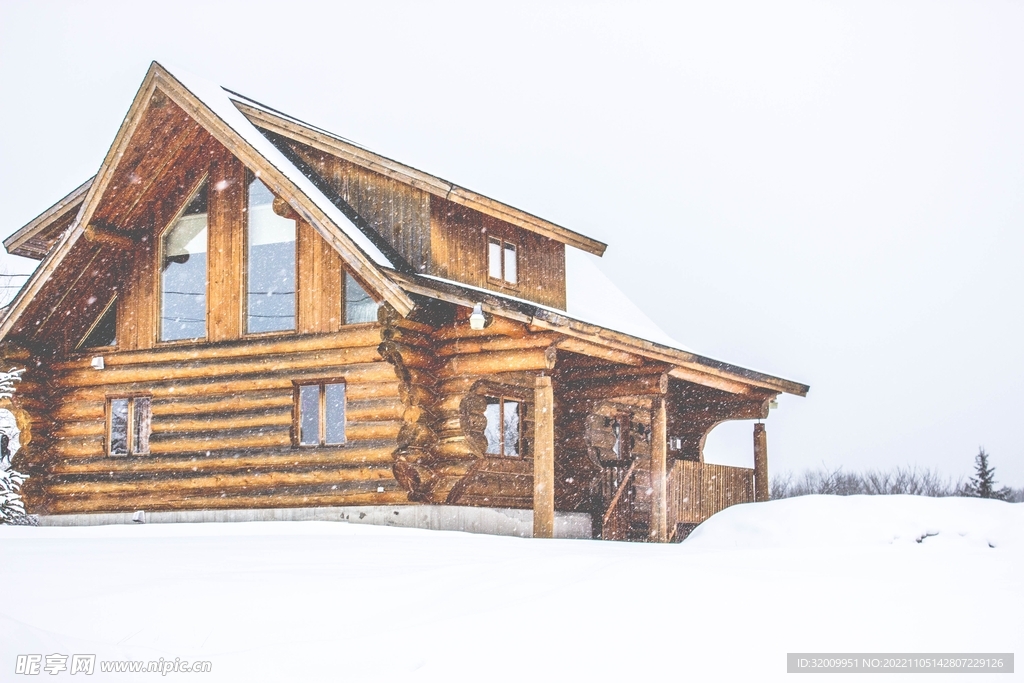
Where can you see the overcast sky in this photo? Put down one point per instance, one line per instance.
(829, 192)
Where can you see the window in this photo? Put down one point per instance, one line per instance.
(270, 264)
(128, 425)
(503, 426)
(104, 331)
(502, 262)
(623, 441)
(320, 413)
(183, 272)
(359, 306)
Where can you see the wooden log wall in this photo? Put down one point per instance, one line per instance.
(698, 490)
(222, 428)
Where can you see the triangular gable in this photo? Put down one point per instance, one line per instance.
(210, 106)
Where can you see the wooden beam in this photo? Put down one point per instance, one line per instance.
(599, 351)
(101, 234)
(643, 385)
(543, 459)
(761, 491)
(659, 471)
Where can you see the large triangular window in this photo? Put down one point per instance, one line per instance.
(183, 248)
(104, 331)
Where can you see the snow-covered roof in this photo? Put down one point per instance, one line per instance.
(220, 103)
(592, 298)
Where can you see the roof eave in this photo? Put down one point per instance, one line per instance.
(685, 365)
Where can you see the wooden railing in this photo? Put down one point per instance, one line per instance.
(698, 490)
(617, 488)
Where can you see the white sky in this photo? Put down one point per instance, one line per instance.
(830, 192)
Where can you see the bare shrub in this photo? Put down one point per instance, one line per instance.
(838, 482)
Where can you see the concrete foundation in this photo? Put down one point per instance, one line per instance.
(475, 520)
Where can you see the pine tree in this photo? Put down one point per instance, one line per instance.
(12, 507)
(983, 483)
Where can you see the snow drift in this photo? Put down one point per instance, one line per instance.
(319, 601)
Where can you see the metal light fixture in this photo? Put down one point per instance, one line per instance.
(477, 321)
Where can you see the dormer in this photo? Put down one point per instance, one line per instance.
(427, 225)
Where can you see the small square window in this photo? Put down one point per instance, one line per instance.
(503, 426)
(320, 414)
(502, 261)
(129, 424)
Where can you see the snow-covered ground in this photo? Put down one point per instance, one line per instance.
(321, 601)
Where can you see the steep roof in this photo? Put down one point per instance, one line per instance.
(597, 312)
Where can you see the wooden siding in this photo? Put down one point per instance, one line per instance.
(459, 248)
(439, 237)
(397, 212)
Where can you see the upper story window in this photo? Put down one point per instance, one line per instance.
(270, 264)
(183, 248)
(502, 261)
(359, 306)
(503, 431)
(128, 425)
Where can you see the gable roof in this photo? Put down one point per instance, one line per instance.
(37, 237)
(597, 312)
(210, 106)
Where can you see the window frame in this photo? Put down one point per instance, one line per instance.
(131, 437)
(503, 246)
(521, 405)
(82, 348)
(296, 430)
(250, 177)
(346, 274)
(159, 270)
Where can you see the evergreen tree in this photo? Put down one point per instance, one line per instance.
(983, 483)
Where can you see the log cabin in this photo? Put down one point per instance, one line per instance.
(243, 312)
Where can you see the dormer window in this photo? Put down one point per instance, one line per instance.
(502, 261)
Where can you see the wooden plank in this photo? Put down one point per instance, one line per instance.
(302, 497)
(351, 336)
(543, 459)
(226, 254)
(268, 460)
(659, 472)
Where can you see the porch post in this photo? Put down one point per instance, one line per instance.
(659, 471)
(760, 463)
(543, 459)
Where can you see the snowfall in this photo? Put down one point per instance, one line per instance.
(324, 601)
